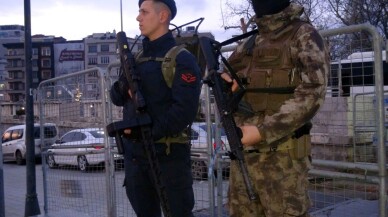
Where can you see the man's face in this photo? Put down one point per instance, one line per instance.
(149, 19)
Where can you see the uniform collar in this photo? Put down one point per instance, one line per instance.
(163, 43)
(273, 22)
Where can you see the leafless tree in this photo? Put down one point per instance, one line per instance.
(323, 14)
(315, 11)
(234, 13)
(351, 12)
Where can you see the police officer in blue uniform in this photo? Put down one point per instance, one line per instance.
(172, 110)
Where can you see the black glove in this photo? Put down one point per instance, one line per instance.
(121, 86)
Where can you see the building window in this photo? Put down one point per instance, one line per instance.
(105, 60)
(92, 49)
(92, 61)
(35, 77)
(13, 63)
(35, 51)
(46, 63)
(105, 48)
(34, 63)
(16, 86)
(19, 75)
(46, 51)
(46, 74)
(12, 53)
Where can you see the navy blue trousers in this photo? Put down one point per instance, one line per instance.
(176, 177)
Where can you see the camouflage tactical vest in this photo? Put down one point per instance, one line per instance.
(268, 71)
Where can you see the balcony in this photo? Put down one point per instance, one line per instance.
(17, 55)
(18, 67)
(16, 91)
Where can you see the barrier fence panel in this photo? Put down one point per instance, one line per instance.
(346, 179)
(77, 167)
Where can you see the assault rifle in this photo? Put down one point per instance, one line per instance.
(139, 119)
(227, 102)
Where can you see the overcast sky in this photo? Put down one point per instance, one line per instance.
(76, 19)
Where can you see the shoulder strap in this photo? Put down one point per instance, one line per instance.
(140, 59)
(169, 63)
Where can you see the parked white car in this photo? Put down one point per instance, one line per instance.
(199, 148)
(14, 141)
(80, 147)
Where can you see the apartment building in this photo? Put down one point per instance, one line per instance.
(8, 34)
(42, 65)
(101, 49)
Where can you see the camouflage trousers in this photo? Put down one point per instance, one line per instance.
(280, 182)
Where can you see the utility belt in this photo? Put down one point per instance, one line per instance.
(298, 148)
(182, 138)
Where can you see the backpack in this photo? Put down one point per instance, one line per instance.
(189, 44)
(168, 62)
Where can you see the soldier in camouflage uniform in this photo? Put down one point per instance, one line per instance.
(284, 68)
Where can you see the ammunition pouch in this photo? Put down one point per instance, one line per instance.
(302, 148)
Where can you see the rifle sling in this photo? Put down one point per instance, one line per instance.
(238, 38)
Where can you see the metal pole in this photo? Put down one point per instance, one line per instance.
(2, 203)
(209, 140)
(109, 161)
(121, 14)
(31, 205)
(218, 159)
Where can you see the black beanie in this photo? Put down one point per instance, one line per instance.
(267, 7)
(170, 4)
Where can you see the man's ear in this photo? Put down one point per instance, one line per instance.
(164, 16)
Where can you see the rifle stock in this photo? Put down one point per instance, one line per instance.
(226, 103)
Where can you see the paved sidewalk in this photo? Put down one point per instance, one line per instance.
(15, 189)
(15, 199)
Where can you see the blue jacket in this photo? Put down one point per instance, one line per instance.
(171, 109)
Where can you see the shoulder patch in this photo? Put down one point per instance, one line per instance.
(188, 77)
(169, 63)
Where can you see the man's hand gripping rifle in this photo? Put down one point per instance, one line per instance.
(139, 120)
(227, 102)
